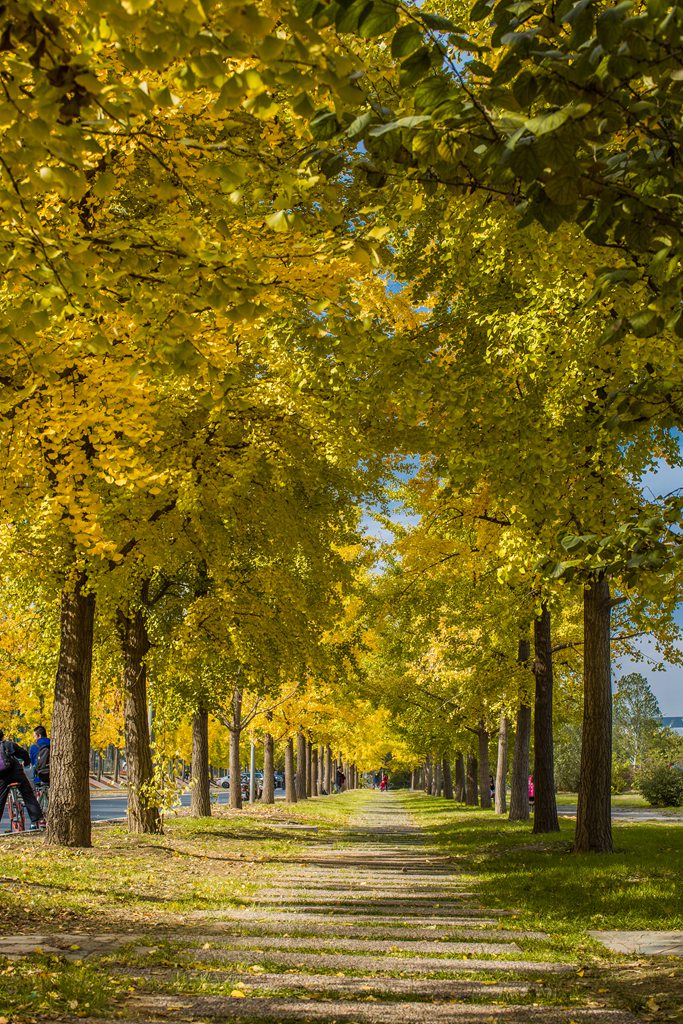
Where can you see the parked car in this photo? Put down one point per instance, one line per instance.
(224, 783)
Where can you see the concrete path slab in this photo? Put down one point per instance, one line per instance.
(370, 964)
(332, 930)
(348, 985)
(644, 943)
(403, 947)
(225, 1008)
(473, 919)
(72, 946)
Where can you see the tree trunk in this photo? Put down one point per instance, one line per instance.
(502, 766)
(143, 812)
(268, 796)
(200, 799)
(117, 765)
(436, 784)
(471, 797)
(300, 765)
(235, 736)
(252, 771)
(321, 769)
(68, 822)
(460, 781)
(100, 765)
(447, 779)
(290, 775)
(594, 813)
(309, 768)
(484, 772)
(329, 783)
(519, 788)
(428, 774)
(519, 783)
(545, 805)
(314, 771)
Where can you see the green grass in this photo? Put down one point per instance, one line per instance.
(553, 889)
(566, 895)
(618, 800)
(51, 988)
(137, 885)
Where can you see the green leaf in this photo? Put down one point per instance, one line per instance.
(406, 39)
(381, 18)
(562, 188)
(358, 126)
(548, 122)
(438, 23)
(403, 122)
(415, 66)
(325, 124)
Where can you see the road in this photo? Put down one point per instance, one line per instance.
(105, 808)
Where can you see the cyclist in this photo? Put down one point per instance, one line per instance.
(10, 772)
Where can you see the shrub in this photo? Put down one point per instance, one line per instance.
(663, 786)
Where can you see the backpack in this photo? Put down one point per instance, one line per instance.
(7, 758)
(43, 764)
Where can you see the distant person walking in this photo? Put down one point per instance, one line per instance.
(532, 791)
(384, 784)
(341, 779)
(10, 772)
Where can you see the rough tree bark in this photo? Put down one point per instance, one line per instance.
(427, 781)
(321, 769)
(309, 768)
(143, 812)
(301, 765)
(484, 771)
(235, 734)
(290, 778)
(471, 795)
(545, 805)
(519, 782)
(447, 779)
(502, 767)
(329, 781)
(268, 795)
(200, 797)
(68, 822)
(436, 783)
(460, 781)
(594, 813)
(314, 771)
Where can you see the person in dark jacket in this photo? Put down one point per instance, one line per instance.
(40, 762)
(10, 755)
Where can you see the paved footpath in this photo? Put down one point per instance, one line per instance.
(378, 928)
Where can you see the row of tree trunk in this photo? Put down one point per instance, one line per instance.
(472, 779)
(69, 813)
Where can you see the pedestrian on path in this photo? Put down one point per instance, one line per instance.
(384, 784)
(532, 791)
(10, 772)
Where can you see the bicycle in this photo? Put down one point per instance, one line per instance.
(16, 809)
(42, 796)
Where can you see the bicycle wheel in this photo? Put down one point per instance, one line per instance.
(16, 810)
